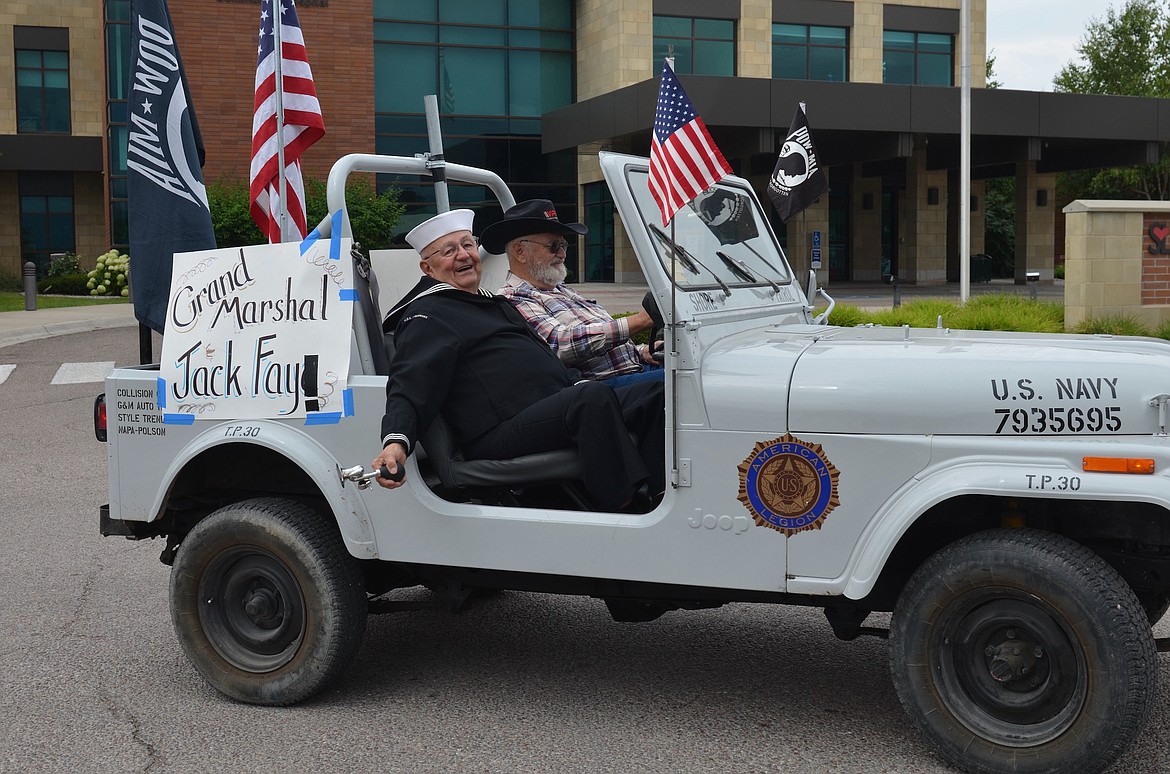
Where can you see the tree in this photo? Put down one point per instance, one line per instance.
(372, 215)
(999, 209)
(1127, 53)
(991, 80)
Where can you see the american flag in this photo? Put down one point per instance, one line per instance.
(303, 124)
(684, 160)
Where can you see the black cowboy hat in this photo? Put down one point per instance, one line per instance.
(534, 216)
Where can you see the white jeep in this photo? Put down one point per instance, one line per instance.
(1005, 495)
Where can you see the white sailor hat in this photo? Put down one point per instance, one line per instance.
(439, 226)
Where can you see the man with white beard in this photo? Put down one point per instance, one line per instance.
(582, 334)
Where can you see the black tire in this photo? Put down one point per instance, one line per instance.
(266, 602)
(1022, 651)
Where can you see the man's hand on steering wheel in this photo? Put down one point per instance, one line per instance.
(657, 345)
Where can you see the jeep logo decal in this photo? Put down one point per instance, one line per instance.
(788, 485)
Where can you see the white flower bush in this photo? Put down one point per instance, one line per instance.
(108, 278)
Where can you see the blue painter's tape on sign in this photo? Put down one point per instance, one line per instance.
(348, 294)
(347, 401)
(160, 393)
(178, 419)
(310, 240)
(323, 418)
(335, 236)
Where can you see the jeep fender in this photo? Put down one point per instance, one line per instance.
(306, 453)
(998, 477)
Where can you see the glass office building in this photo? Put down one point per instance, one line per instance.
(495, 66)
(533, 89)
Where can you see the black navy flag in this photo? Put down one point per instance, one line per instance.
(798, 179)
(167, 203)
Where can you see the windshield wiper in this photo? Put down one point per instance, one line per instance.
(684, 257)
(688, 260)
(741, 270)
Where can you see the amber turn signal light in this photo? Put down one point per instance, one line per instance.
(1117, 465)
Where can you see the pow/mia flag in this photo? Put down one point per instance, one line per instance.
(167, 203)
(798, 178)
(728, 214)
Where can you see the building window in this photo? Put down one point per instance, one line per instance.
(496, 66)
(42, 91)
(806, 52)
(923, 58)
(46, 217)
(117, 85)
(599, 242)
(483, 58)
(699, 46)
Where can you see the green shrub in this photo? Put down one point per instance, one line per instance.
(990, 312)
(847, 316)
(1116, 325)
(1058, 272)
(1007, 312)
(1163, 331)
(64, 285)
(10, 283)
(917, 314)
(65, 265)
(371, 215)
(231, 218)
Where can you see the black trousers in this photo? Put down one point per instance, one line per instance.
(598, 420)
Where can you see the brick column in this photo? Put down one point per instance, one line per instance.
(1117, 261)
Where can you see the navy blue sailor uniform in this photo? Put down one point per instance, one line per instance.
(471, 357)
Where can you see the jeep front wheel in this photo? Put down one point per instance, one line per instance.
(1022, 651)
(266, 602)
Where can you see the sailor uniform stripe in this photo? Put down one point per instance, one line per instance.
(399, 437)
(441, 287)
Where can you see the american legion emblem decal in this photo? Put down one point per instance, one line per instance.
(788, 485)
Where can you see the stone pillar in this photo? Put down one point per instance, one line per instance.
(865, 238)
(954, 216)
(615, 45)
(979, 217)
(1117, 261)
(865, 42)
(814, 218)
(754, 39)
(923, 229)
(1035, 221)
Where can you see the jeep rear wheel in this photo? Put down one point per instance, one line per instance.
(1022, 651)
(266, 602)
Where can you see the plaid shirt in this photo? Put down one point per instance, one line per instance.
(580, 331)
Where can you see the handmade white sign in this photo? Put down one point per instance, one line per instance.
(259, 332)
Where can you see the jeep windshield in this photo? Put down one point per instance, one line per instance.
(719, 240)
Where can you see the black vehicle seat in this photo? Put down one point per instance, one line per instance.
(366, 285)
(440, 444)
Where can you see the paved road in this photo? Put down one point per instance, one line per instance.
(92, 678)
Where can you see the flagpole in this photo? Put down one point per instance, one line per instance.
(436, 163)
(673, 365)
(965, 156)
(277, 56)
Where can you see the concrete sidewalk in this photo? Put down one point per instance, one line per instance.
(17, 327)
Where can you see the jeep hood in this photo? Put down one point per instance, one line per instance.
(902, 381)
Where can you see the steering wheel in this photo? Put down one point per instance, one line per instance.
(659, 326)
